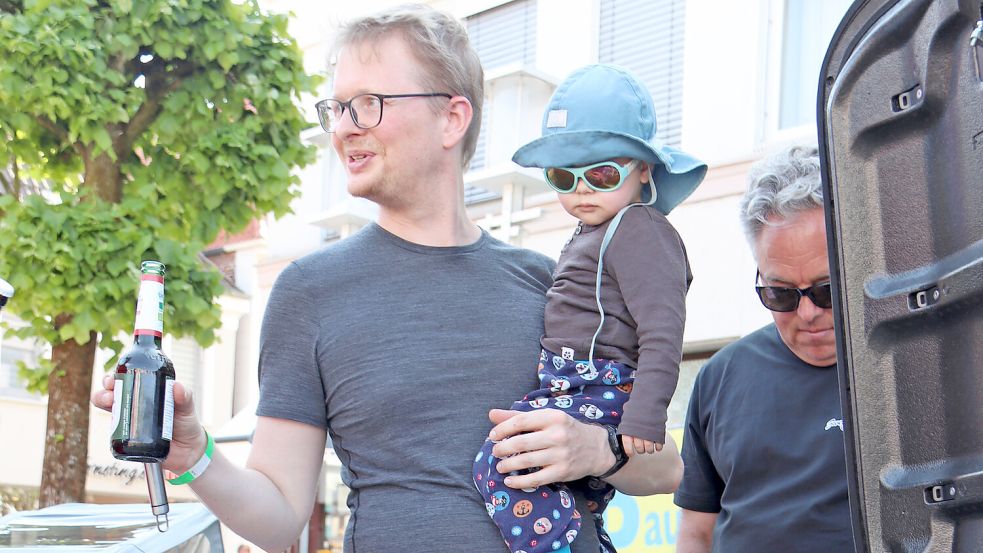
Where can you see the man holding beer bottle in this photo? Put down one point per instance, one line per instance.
(380, 339)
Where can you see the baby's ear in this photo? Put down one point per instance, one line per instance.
(646, 171)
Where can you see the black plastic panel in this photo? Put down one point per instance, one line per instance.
(901, 134)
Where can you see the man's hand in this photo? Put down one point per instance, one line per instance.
(188, 442)
(565, 448)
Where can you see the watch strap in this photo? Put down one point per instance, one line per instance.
(620, 456)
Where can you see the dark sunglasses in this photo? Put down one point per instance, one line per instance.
(605, 176)
(783, 300)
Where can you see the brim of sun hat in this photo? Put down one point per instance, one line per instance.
(677, 174)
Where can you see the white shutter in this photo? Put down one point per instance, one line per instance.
(646, 37)
(478, 159)
(186, 356)
(505, 35)
(501, 36)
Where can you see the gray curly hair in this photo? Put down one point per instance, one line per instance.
(781, 185)
(440, 43)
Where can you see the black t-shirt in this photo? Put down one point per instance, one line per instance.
(763, 447)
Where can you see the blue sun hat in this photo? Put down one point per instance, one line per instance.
(602, 112)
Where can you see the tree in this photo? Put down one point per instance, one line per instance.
(153, 124)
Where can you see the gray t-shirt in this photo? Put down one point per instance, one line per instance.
(400, 350)
(763, 447)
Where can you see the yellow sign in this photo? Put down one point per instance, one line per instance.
(644, 524)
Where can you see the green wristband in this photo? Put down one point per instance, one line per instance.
(198, 468)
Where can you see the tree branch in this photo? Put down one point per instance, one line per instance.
(51, 126)
(18, 184)
(159, 84)
(60, 133)
(9, 7)
(128, 67)
(139, 123)
(10, 184)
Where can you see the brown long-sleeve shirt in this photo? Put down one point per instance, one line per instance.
(644, 282)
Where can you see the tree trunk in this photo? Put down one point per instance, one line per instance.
(66, 441)
(102, 175)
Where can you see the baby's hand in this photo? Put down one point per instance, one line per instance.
(638, 446)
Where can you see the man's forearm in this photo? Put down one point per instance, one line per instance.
(695, 532)
(650, 474)
(250, 504)
(692, 544)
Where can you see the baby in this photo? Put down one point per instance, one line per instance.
(615, 313)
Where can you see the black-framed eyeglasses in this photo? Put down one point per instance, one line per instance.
(365, 109)
(783, 300)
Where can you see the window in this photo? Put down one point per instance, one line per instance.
(502, 36)
(478, 160)
(646, 37)
(807, 26)
(185, 353)
(505, 35)
(10, 354)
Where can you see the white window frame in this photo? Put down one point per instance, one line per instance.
(770, 133)
(38, 349)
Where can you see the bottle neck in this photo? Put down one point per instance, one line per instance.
(147, 340)
(149, 325)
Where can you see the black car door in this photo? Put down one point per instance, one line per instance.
(900, 116)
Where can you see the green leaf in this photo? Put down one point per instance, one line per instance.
(81, 336)
(116, 266)
(216, 78)
(66, 332)
(227, 60)
(103, 141)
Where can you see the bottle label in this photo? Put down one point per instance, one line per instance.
(117, 399)
(122, 406)
(150, 306)
(168, 430)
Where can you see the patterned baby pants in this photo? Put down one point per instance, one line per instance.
(544, 519)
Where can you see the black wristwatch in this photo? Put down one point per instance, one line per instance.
(620, 457)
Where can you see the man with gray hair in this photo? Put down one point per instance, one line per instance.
(400, 341)
(763, 448)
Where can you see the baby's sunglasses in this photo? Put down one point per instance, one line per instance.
(784, 300)
(605, 176)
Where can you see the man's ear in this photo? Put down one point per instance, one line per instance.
(458, 118)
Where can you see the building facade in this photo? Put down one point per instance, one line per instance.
(732, 81)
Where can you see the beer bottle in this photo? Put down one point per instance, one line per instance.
(143, 396)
